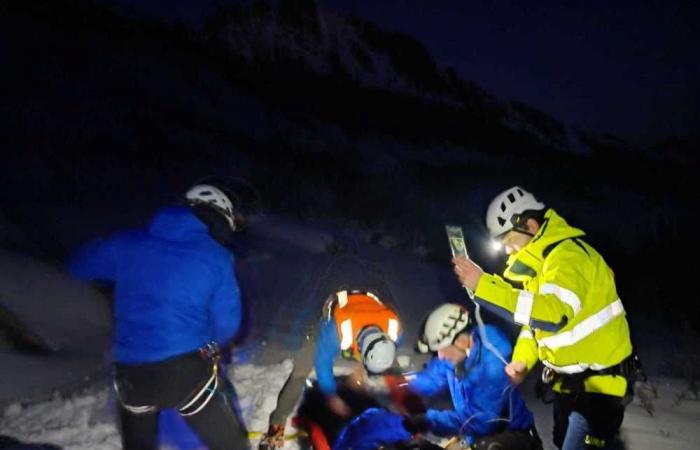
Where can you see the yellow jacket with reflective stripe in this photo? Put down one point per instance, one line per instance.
(571, 315)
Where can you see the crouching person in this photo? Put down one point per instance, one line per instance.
(488, 412)
(358, 326)
(176, 300)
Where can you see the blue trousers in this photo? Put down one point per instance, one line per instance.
(587, 421)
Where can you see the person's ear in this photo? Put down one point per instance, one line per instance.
(532, 226)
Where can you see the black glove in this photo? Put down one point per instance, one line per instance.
(416, 423)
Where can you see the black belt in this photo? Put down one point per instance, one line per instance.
(630, 368)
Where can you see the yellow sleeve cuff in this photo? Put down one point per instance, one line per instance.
(525, 349)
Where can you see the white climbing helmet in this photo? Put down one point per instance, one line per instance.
(442, 327)
(212, 196)
(506, 205)
(376, 349)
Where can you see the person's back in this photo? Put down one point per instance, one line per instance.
(174, 287)
(176, 302)
(356, 325)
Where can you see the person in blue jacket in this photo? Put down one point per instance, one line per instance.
(487, 409)
(176, 302)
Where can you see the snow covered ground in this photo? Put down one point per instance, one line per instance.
(673, 425)
(86, 420)
(285, 269)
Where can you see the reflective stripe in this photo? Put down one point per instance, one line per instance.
(393, 330)
(585, 328)
(523, 309)
(565, 295)
(145, 409)
(346, 332)
(207, 387)
(342, 298)
(371, 295)
(139, 409)
(525, 334)
(574, 368)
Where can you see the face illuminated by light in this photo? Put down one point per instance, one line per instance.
(458, 351)
(514, 240)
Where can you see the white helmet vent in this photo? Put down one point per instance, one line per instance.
(214, 197)
(442, 326)
(507, 204)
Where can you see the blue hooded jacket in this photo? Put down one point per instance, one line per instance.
(483, 397)
(175, 287)
(371, 430)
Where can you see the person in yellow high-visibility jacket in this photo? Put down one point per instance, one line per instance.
(563, 293)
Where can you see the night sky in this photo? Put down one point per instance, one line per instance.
(626, 67)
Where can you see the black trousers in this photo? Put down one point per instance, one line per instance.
(314, 407)
(169, 384)
(604, 414)
(509, 440)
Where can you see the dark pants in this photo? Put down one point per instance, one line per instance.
(9, 443)
(509, 440)
(170, 384)
(315, 408)
(601, 416)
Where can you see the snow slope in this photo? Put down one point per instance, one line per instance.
(86, 420)
(69, 318)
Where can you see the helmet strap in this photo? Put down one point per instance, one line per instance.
(519, 222)
(367, 330)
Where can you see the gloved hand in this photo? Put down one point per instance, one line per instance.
(415, 423)
(274, 437)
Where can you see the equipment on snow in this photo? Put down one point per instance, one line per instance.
(275, 437)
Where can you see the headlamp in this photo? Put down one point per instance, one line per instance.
(496, 245)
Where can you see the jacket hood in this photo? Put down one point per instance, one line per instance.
(527, 262)
(177, 223)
